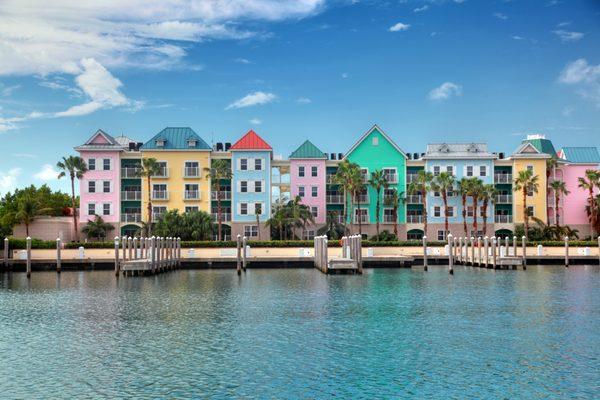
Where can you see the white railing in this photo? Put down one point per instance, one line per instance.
(131, 217)
(504, 199)
(502, 178)
(414, 199)
(163, 172)
(363, 219)
(414, 219)
(334, 199)
(362, 199)
(130, 172)
(225, 217)
(225, 195)
(391, 177)
(191, 172)
(389, 219)
(503, 219)
(225, 237)
(131, 195)
(191, 195)
(160, 195)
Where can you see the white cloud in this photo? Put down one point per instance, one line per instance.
(501, 16)
(568, 36)
(252, 99)
(8, 180)
(517, 37)
(242, 61)
(399, 27)
(303, 100)
(421, 9)
(584, 77)
(47, 173)
(6, 91)
(255, 121)
(445, 91)
(345, 75)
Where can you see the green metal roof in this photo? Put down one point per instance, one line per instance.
(542, 145)
(581, 155)
(176, 138)
(308, 150)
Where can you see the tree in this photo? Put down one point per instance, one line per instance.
(551, 165)
(285, 218)
(378, 182)
(97, 229)
(464, 189)
(332, 228)
(559, 188)
(444, 183)
(195, 225)
(526, 182)
(75, 167)
(421, 185)
(28, 209)
(346, 177)
(220, 170)
(589, 182)
(150, 167)
(487, 195)
(394, 200)
(475, 189)
(257, 212)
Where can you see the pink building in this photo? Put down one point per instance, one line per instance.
(307, 178)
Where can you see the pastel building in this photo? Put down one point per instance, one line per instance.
(308, 173)
(462, 160)
(251, 160)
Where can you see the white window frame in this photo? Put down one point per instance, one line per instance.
(90, 162)
(261, 186)
(88, 209)
(314, 191)
(242, 209)
(243, 187)
(484, 169)
(436, 169)
(302, 191)
(467, 171)
(189, 209)
(260, 160)
(437, 211)
(104, 209)
(92, 183)
(450, 211)
(532, 211)
(104, 186)
(104, 164)
(314, 171)
(441, 236)
(251, 231)
(450, 169)
(301, 171)
(314, 210)
(241, 164)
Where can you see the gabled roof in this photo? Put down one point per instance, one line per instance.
(176, 138)
(251, 141)
(366, 135)
(528, 150)
(580, 155)
(100, 140)
(308, 150)
(543, 145)
(457, 150)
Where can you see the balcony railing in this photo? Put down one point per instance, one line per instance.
(160, 195)
(163, 172)
(130, 172)
(502, 178)
(503, 219)
(225, 195)
(414, 219)
(191, 172)
(389, 219)
(391, 177)
(363, 219)
(225, 217)
(414, 199)
(131, 195)
(131, 217)
(504, 199)
(157, 215)
(362, 199)
(191, 195)
(334, 199)
(411, 177)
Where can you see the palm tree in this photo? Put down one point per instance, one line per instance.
(422, 185)
(560, 189)
(358, 187)
(526, 182)
(378, 182)
(28, 208)
(332, 228)
(278, 220)
(464, 188)
(220, 170)
(487, 195)
(75, 167)
(394, 200)
(589, 182)
(344, 177)
(476, 189)
(97, 228)
(443, 183)
(150, 167)
(551, 165)
(257, 212)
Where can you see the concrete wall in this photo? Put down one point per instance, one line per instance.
(48, 228)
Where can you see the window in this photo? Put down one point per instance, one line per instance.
(162, 166)
(106, 209)
(301, 191)
(244, 186)
(301, 171)
(309, 234)
(530, 211)
(529, 191)
(92, 187)
(441, 236)
(159, 191)
(530, 168)
(192, 142)
(314, 191)
(158, 211)
(436, 170)
(243, 208)
(482, 170)
(191, 191)
(414, 235)
(244, 164)
(437, 211)
(469, 211)
(388, 215)
(250, 230)
(375, 141)
(91, 208)
(314, 211)
(258, 164)
(257, 186)
(189, 209)
(450, 169)
(450, 211)
(92, 164)
(469, 170)
(365, 174)
(257, 208)
(106, 186)
(362, 215)
(436, 194)
(192, 169)
(314, 171)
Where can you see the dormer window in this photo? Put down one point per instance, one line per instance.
(192, 142)
(160, 142)
(444, 148)
(472, 149)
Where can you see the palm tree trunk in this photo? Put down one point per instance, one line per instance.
(475, 201)
(484, 216)
(258, 225)
(219, 211)
(359, 217)
(345, 212)
(525, 215)
(149, 207)
(445, 199)
(592, 210)
(377, 212)
(395, 212)
(73, 206)
(556, 199)
(27, 229)
(464, 213)
(424, 202)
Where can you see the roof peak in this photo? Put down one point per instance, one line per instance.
(251, 141)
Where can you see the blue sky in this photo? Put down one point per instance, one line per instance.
(424, 71)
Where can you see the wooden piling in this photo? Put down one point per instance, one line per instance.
(425, 252)
(524, 245)
(239, 255)
(479, 251)
(130, 248)
(124, 247)
(494, 252)
(28, 240)
(116, 256)
(566, 251)
(460, 250)
(472, 243)
(6, 243)
(178, 251)
(514, 243)
(486, 251)
(244, 255)
(451, 254)
(153, 253)
(58, 260)
(506, 244)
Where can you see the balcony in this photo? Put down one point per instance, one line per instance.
(391, 177)
(414, 219)
(362, 199)
(330, 179)
(503, 219)
(131, 195)
(157, 215)
(363, 219)
(191, 172)
(130, 172)
(191, 195)
(411, 178)
(389, 219)
(504, 199)
(225, 195)
(503, 178)
(131, 217)
(414, 199)
(163, 172)
(160, 195)
(225, 217)
(334, 199)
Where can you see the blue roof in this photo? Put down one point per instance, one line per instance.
(176, 138)
(581, 155)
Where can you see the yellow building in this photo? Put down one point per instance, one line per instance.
(182, 184)
(527, 156)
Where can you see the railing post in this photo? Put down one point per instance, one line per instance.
(451, 241)
(244, 255)
(130, 248)
(524, 245)
(239, 254)
(425, 252)
(566, 251)
(479, 251)
(472, 243)
(28, 257)
(135, 246)
(116, 256)
(153, 253)
(455, 248)
(486, 250)
(360, 261)
(58, 261)
(494, 252)
(460, 250)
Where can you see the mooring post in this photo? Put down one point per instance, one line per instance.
(130, 248)
(153, 253)
(451, 241)
(360, 257)
(524, 245)
(58, 262)
(506, 244)
(566, 251)
(6, 252)
(514, 246)
(28, 257)
(6, 245)
(116, 256)
(460, 250)
(425, 252)
(159, 257)
(168, 251)
(325, 251)
(455, 248)
(135, 248)
(472, 251)
(239, 254)
(178, 251)
(486, 250)
(124, 247)
(494, 252)
(479, 251)
(244, 255)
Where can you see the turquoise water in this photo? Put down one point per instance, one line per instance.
(299, 334)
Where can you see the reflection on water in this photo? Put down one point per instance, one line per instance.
(300, 334)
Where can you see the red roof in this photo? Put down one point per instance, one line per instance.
(251, 141)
